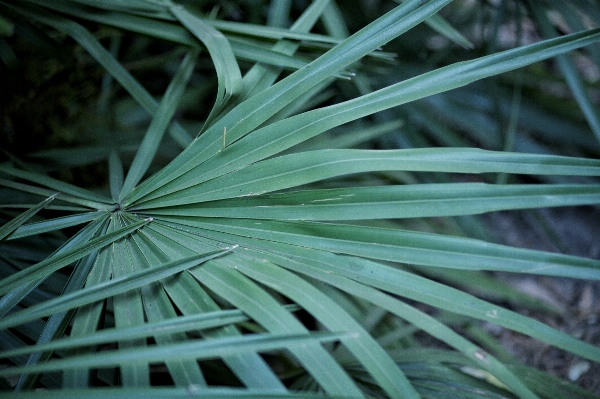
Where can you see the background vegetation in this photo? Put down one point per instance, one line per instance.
(297, 199)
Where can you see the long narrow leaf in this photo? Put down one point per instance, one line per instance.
(191, 298)
(373, 358)
(106, 289)
(319, 264)
(261, 77)
(14, 224)
(115, 174)
(322, 265)
(160, 122)
(256, 110)
(421, 86)
(388, 202)
(179, 324)
(56, 262)
(58, 322)
(403, 246)
(11, 299)
(87, 318)
(255, 302)
(228, 72)
(54, 184)
(297, 169)
(202, 349)
(84, 203)
(45, 226)
(416, 317)
(128, 309)
(282, 135)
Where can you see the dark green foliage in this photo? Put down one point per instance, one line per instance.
(281, 198)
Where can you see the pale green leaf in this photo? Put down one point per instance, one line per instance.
(297, 169)
(390, 202)
(402, 246)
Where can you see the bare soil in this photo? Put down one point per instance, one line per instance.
(577, 232)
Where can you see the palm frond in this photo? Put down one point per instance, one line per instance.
(289, 249)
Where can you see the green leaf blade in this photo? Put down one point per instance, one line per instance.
(160, 122)
(391, 202)
(53, 263)
(12, 225)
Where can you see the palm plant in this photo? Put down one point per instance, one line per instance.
(262, 260)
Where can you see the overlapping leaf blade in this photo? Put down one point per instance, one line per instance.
(282, 135)
(12, 225)
(390, 202)
(53, 263)
(400, 246)
(221, 192)
(301, 168)
(255, 111)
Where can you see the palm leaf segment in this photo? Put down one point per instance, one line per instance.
(232, 230)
